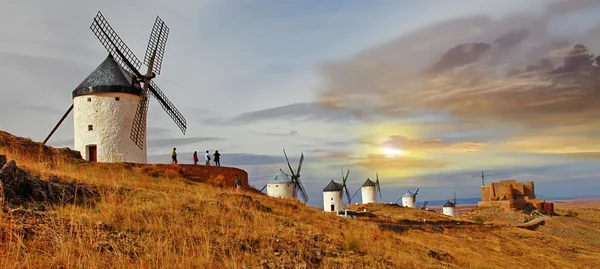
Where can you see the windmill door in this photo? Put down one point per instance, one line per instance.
(92, 151)
(332, 208)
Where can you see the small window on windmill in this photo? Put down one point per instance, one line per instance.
(117, 98)
(276, 186)
(331, 198)
(90, 127)
(89, 99)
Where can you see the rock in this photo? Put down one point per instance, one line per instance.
(19, 188)
(439, 255)
(2, 160)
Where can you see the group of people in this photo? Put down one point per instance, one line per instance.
(216, 157)
(207, 159)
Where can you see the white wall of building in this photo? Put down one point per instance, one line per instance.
(111, 122)
(449, 211)
(408, 201)
(369, 194)
(280, 190)
(332, 198)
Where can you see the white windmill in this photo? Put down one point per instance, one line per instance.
(333, 194)
(110, 106)
(283, 185)
(369, 190)
(449, 208)
(409, 199)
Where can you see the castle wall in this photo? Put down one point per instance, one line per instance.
(110, 120)
(509, 194)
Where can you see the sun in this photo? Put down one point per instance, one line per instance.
(391, 152)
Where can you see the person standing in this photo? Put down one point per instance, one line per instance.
(174, 156)
(195, 157)
(207, 158)
(237, 183)
(217, 159)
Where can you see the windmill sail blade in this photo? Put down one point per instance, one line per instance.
(300, 163)
(168, 107)
(378, 187)
(302, 190)
(354, 194)
(58, 124)
(416, 191)
(156, 45)
(138, 128)
(454, 199)
(263, 187)
(288, 162)
(115, 46)
(347, 194)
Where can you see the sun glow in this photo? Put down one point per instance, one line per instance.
(392, 152)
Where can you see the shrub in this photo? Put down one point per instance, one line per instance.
(351, 244)
(571, 213)
(479, 220)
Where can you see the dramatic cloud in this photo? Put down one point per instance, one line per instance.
(509, 79)
(381, 161)
(430, 144)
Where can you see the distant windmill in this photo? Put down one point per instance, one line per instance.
(333, 194)
(110, 106)
(484, 175)
(449, 208)
(369, 190)
(409, 198)
(285, 185)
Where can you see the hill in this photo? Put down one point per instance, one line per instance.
(134, 216)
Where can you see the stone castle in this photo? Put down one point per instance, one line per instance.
(510, 194)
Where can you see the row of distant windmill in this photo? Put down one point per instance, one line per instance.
(284, 185)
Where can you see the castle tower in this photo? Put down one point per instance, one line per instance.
(368, 192)
(104, 106)
(332, 197)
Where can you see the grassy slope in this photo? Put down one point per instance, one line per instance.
(167, 221)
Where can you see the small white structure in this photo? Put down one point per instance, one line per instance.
(409, 199)
(281, 185)
(104, 106)
(332, 197)
(369, 192)
(449, 209)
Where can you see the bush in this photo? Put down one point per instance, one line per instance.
(351, 244)
(479, 220)
(571, 213)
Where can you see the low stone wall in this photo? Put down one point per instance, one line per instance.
(218, 175)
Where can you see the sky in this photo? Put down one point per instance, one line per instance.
(425, 94)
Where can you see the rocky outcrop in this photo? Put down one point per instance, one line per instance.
(20, 188)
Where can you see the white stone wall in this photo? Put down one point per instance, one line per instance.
(408, 201)
(280, 190)
(332, 198)
(111, 121)
(369, 194)
(449, 211)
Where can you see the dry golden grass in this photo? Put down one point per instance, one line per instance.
(161, 220)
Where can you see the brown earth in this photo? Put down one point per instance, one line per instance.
(164, 220)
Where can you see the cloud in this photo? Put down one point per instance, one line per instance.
(178, 142)
(431, 144)
(381, 161)
(496, 83)
(297, 111)
(288, 134)
(331, 154)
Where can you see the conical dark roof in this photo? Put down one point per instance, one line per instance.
(448, 204)
(107, 77)
(333, 186)
(368, 183)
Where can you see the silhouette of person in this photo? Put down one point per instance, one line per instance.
(174, 156)
(237, 183)
(217, 159)
(207, 158)
(195, 157)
